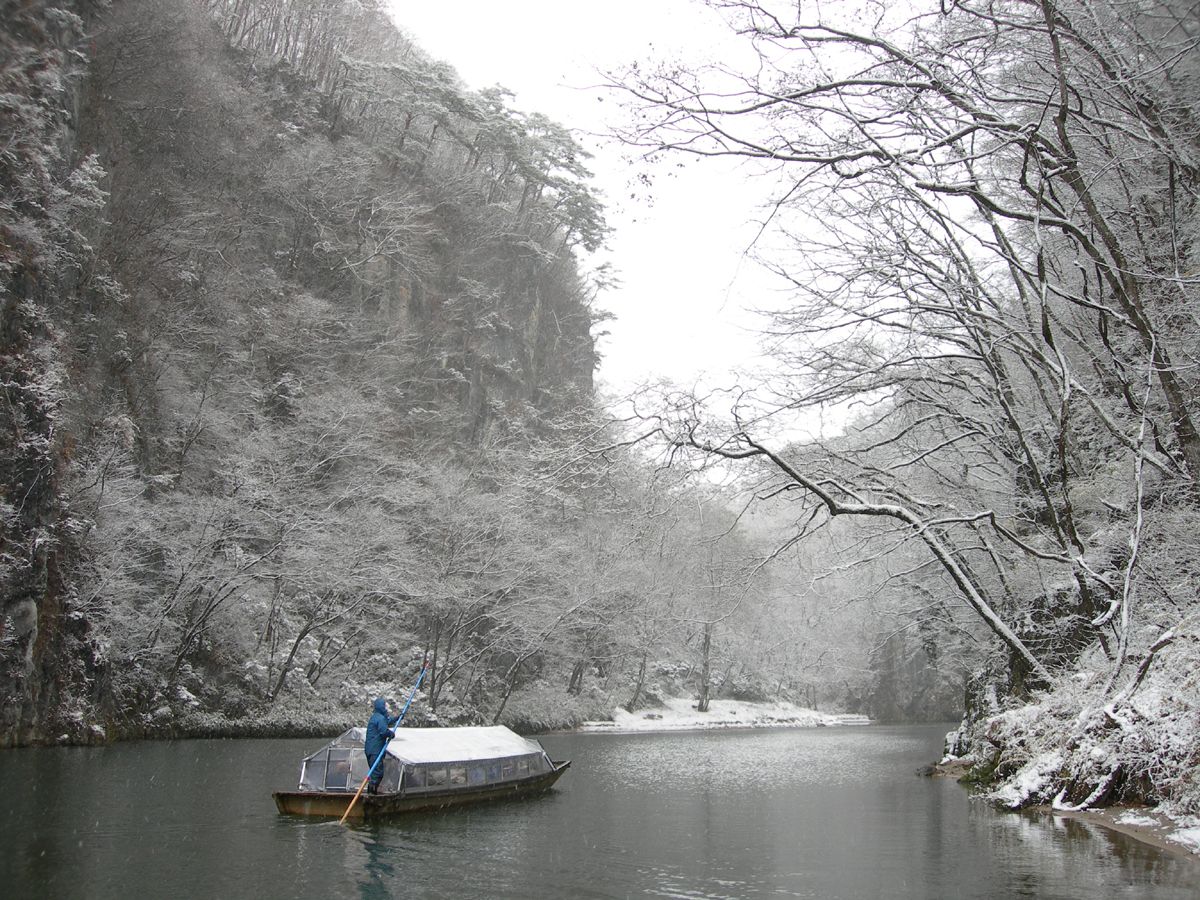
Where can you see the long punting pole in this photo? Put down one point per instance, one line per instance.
(399, 719)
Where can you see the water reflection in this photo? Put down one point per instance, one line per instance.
(377, 871)
(823, 813)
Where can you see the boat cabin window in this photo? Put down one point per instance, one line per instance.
(313, 776)
(430, 776)
(337, 772)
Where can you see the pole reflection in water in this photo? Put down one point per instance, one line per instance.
(821, 813)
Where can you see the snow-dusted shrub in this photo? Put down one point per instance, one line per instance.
(748, 690)
(1086, 743)
(543, 707)
(1159, 725)
(650, 697)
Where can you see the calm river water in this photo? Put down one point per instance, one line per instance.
(818, 813)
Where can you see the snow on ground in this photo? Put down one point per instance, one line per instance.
(680, 714)
(1135, 819)
(1188, 837)
(1029, 782)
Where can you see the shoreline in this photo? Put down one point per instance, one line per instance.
(1142, 823)
(679, 714)
(676, 714)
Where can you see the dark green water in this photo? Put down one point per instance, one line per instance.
(815, 813)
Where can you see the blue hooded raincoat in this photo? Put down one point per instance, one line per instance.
(379, 732)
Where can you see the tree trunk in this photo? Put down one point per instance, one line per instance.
(705, 673)
(510, 683)
(287, 664)
(575, 684)
(638, 684)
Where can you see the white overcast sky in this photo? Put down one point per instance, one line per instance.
(678, 254)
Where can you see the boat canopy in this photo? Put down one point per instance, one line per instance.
(426, 745)
(424, 759)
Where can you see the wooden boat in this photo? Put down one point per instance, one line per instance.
(424, 769)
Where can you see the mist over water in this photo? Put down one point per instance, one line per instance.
(817, 813)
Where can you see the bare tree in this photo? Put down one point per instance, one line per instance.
(982, 203)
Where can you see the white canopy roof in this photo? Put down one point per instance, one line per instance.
(422, 745)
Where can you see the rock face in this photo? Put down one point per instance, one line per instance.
(211, 255)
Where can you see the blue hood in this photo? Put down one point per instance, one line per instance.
(381, 706)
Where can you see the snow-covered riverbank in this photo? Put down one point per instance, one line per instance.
(680, 714)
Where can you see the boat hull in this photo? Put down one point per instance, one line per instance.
(374, 806)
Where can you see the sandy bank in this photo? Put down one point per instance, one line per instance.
(1177, 836)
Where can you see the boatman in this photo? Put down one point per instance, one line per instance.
(379, 732)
